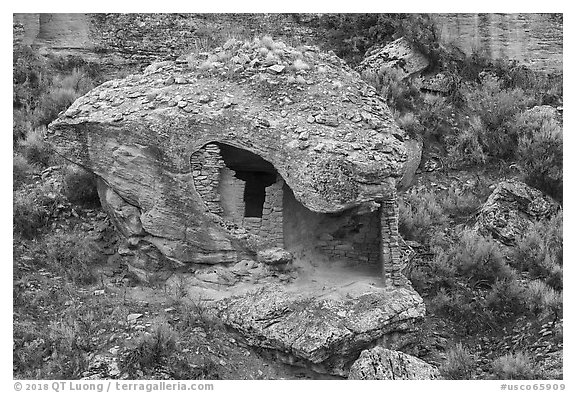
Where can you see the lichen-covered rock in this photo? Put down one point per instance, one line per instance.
(325, 333)
(138, 135)
(398, 54)
(382, 363)
(275, 257)
(510, 209)
(440, 83)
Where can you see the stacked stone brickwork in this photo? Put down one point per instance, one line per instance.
(360, 244)
(223, 194)
(206, 165)
(272, 223)
(391, 258)
(231, 190)
(269, 226)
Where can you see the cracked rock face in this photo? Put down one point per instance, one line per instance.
(382, 363)
(325, 333)
(510, 209)
(398, 54)
(327, 133)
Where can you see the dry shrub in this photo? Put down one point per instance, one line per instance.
(35, 149)
(460, 363)
(543, 300)
(418, 213)
(467, 147)
(31, 212)
(495, 106)
(540, 251)
(517, 366)
(540, 149)
(149, 351)
(21, 170)
(480, 259)
(71, 255)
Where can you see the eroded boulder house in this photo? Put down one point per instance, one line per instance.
(220, 157)
(289, 148)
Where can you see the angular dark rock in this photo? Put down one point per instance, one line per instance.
(382, 363)
(510, 209)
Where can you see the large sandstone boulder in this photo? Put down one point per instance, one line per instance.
(322, 331)
(328, 135)
(510, 209)
(382, 363)
(399, 55)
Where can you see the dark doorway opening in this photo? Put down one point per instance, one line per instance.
(257, 174)
(255, 191)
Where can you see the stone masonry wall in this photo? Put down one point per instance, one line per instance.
(391, 261)
(231, 190)
(357, 239)
(272, 222)
(206, 165)
(270, 225)
(223, 194)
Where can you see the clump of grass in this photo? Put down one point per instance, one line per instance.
(70, 255)
(419, 212)
(480, 259)
(468, 147)
(300, 65)
(539, 251)
(268, 42)
(517, 366)
(506, 299)
(495, 106)
(32, 209)
(21, 170)
(149, 351)
(539, 151)
(543, 300)
(409, 122)
(61, 94)
(35, 149)
(460, 363)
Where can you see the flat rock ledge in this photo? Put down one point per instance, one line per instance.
(325, 333)
(382, 363)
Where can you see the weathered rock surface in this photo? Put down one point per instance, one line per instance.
(413, 159)
(138, 134)
(398, 54)
(382, 363)
(324, 333)
(511, 208)
(440, 83)
(275, 257)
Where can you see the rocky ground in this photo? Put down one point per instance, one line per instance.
(107, 329)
